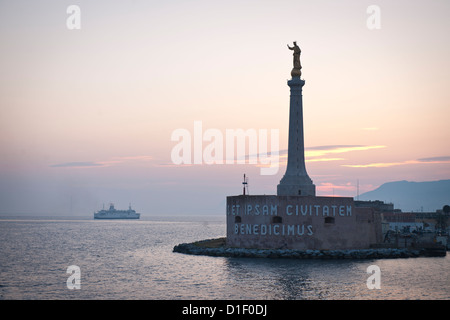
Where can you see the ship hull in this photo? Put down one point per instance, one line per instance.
(108, 217)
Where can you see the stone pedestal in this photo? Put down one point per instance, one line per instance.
(300, 222)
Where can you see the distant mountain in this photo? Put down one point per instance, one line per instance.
(412, 196)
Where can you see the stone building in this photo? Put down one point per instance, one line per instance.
(300, 222)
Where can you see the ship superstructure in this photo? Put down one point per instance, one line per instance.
(113, 213)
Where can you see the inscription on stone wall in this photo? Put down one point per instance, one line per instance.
(289, 210)
(273, 229)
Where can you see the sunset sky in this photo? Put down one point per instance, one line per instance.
(87, 115)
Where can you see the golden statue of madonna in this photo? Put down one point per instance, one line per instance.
(296, 71)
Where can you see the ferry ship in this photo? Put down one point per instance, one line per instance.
(113, 213)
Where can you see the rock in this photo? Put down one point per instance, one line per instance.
(217, 248)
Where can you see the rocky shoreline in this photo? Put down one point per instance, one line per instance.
(217, 248)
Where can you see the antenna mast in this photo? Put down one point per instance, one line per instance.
(357, 189)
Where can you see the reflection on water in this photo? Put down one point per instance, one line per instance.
(134, 260)
(418, 278)
(289, 279)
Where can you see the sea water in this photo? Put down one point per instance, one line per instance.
(133, 259)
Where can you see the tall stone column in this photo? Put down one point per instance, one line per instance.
(296, 181)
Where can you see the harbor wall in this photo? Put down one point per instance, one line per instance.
(300, 222)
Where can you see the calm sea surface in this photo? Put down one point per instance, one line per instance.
(121, 259)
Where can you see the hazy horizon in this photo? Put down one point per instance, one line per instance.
(87, 115)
